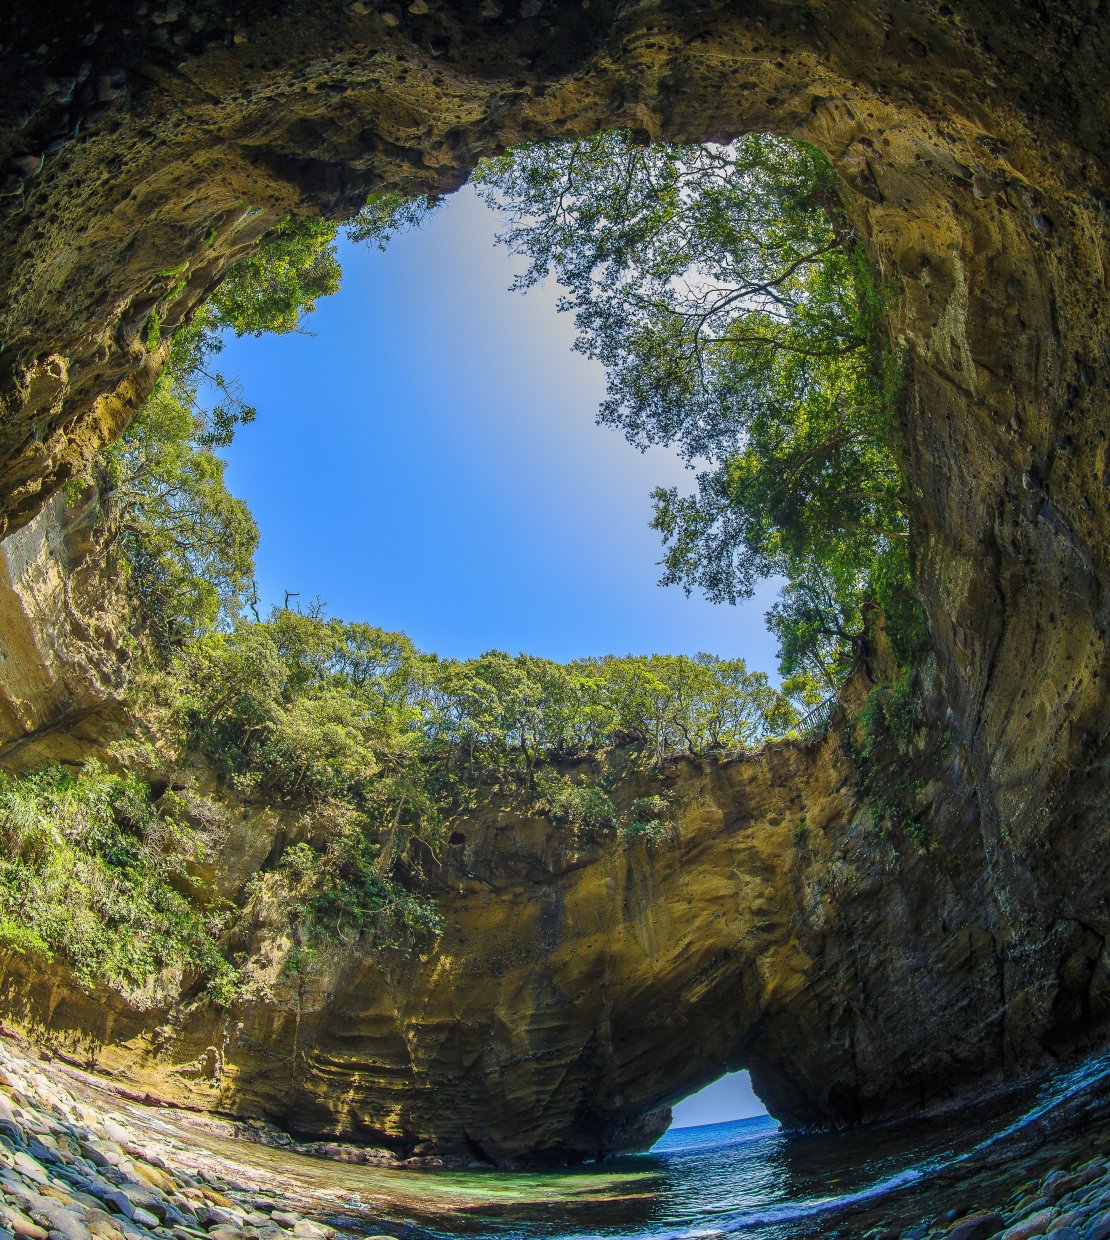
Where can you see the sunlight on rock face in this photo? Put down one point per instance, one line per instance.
(876, 929)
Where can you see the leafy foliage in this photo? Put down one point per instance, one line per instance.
(386, 215)
(589, 810)
(88, 875)
(302, 706)
(355, 898)
(738, 321)
(726, 296)
(880, 738)
(189, 544)
(276, 286)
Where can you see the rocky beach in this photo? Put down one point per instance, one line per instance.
(79, 1159)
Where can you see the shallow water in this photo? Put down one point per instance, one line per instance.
(724, 1179)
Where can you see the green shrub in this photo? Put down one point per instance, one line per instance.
(152, 332)
(87, 876)
(302, 860)
(358, 899)
(646, 819)
(883, 745)
(22, 940)
(585, 807)
(592, 812)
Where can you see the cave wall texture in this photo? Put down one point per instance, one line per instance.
(146, 147)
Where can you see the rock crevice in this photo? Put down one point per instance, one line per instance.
(976, 144)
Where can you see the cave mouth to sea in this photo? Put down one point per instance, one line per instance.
(900, 932)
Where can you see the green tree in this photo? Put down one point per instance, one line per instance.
(189, 544)
(386, 215)
(275, 287)
(737, 320)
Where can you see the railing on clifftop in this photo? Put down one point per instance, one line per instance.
(815, 721)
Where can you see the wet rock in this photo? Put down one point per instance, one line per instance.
(1032, 1225)
(312, 1231)
(102, 1152)
(1098, 1228)
(114, 1131)
(18, 1222)
(29, 1167)
(67, 1223)
(977, 1226)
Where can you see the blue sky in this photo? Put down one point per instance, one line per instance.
(427, 459)
(730, 1097)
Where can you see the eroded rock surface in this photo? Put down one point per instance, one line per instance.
(573, 997)
(65, 637)
(583, 984)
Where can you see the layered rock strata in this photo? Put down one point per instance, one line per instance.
(582, 982)
(149, 149)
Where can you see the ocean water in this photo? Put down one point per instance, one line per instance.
(752, 1177)
(747, 1177)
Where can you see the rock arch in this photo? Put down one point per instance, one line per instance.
(149, 148)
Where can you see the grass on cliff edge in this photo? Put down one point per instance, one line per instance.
(87, 875)
(725, 294)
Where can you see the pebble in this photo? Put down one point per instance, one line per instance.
(1068, 1202)
(31, 1168)
(1034, 1225)
(71, 1171)
(977, 1226)
(311, 1231)
(19, 1223)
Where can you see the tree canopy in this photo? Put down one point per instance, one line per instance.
(725, 294)
(737, 320)
(188, 542)
(303, 705)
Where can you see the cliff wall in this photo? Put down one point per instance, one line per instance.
(584, 981)
(151, 150)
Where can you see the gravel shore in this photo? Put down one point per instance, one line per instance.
(75, 1167)
(74, 1171)
(1071, 1202)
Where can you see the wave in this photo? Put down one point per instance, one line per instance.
(1052, 1095)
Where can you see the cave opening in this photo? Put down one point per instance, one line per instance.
(728, 1099)
(457, 486)
(737, 324)
(977, 184)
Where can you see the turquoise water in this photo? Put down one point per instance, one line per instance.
(752, 1177)
(720, 1180)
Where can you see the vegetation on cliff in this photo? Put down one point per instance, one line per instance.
(189, 544)
(725, 294)
(738, 321)
(94, 872)
(301, 705)
(730, 304)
